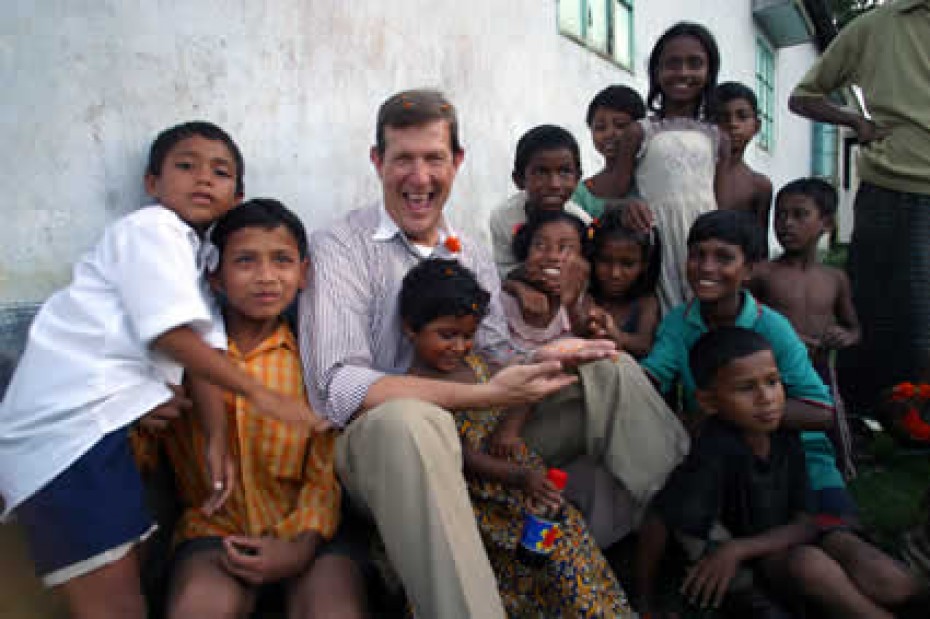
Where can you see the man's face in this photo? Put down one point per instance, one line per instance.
(417, 170)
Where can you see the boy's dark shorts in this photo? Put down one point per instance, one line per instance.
(92, 514)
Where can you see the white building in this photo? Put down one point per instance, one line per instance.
(88, 84)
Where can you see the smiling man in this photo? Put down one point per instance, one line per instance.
(399, 454)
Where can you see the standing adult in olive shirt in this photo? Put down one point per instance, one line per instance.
(887, 54)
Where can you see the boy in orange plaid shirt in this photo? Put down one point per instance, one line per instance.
(278, 523)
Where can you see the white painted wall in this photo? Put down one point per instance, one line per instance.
(88, 83)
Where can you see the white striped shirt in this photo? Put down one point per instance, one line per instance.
(350, 327)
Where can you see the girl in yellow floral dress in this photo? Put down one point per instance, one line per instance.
(441, 304)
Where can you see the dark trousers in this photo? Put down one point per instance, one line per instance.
(889, 269)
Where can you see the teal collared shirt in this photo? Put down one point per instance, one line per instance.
(667, 363)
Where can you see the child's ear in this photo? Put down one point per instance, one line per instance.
(150, 180)
(758, 125)
(829, 222)
(215, 281)
(518, 180)
(706, 401)
(304, 268)
(408, 331)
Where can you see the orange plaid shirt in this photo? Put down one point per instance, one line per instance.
(286, 481)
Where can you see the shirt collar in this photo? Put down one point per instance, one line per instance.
(746, 318)
(281, 337)
(388, 229)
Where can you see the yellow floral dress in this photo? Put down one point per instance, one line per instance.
(576, 581)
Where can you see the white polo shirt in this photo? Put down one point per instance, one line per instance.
(87, 369)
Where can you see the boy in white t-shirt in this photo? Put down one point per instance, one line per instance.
(102, 354)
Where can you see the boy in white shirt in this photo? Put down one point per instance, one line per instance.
(101, 355)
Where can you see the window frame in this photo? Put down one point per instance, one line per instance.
(824, 150)
(584, 38)
(765, 91)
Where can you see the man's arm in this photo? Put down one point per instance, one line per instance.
(837, 67)
(822, 109)
(512, 386)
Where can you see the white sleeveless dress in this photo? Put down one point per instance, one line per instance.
(675, 172)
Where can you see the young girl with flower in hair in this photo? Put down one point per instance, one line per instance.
(441, 305)
(674, 156)
(625, 267)
(549, 248)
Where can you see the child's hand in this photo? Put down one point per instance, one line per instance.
(289, 410)
(541, 490)
(221, 470)
(573, 278)
(836, 337)
(161, 416)
(505, 441)
(533, 303)
(707, 582)
(260, 560)
(637, 216)
(601, 325)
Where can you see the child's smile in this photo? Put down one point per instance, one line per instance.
(683, 69)
(443, 343)
(716, 270)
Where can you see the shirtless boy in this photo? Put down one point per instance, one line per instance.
(815, 298)
(742, 188)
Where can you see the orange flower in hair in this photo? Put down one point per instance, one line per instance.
(516, 229)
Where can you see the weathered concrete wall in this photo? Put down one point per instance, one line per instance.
(87, 84)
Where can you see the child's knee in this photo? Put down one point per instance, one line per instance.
(334, 587)
(809, 566)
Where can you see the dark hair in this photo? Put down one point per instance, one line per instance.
(619, 99)
(820, 191)
(523, 237)
(412, 108)
(543, 137)
(732, 91)
(610, 226)
(264, 213)
(169, 137)
(654, 98)
(438, 287)
(718, 348)
(732, 227)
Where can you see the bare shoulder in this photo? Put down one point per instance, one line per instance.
(649, 302)
(836, 276)
(762, 271)
(761, 183)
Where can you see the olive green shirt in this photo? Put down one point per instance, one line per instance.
(885, 52)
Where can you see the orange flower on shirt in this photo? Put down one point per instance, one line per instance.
(453, 244)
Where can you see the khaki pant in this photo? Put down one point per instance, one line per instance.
(403, 462)
(615, 416)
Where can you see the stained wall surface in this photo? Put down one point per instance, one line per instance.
(87, 84)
